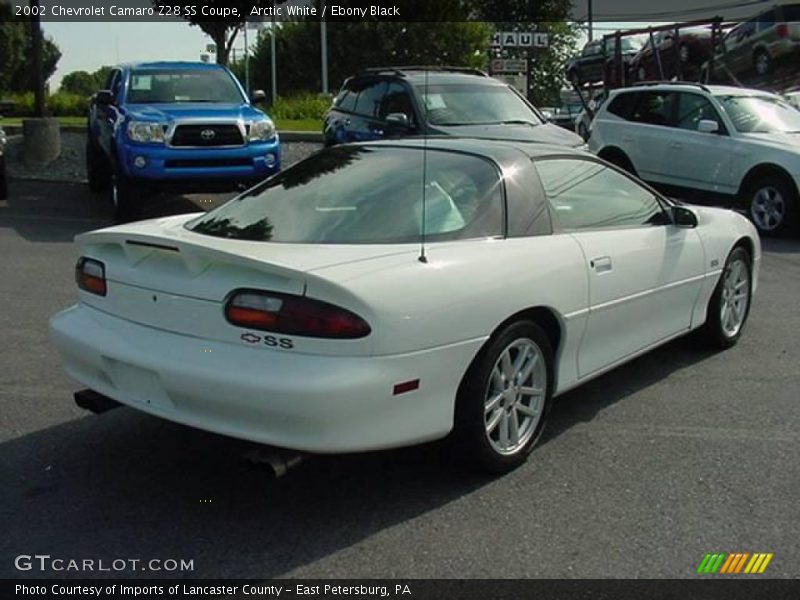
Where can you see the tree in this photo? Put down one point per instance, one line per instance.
(353, 46)
(547, 16)
(222, 30)
(84, 83)
(15, 51)
(79, 82)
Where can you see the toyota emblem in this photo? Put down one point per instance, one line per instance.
(208, 134)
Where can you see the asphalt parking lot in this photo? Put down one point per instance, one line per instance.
(639, 474)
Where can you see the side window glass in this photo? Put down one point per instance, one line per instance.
(396, 100)
(622, 105)
(692, 109)
(116, 84)
(369, 98)
(766, 20)
(654, 108)
(346, 100)
(585, 194)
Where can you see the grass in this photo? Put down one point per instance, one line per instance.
(17, 121)
(299, 125)
(282, 124)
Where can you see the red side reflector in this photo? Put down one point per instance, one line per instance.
(782, 30)
(406, 386)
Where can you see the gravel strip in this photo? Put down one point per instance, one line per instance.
(71, 165)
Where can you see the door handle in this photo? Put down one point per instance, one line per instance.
(627, 138)
(377, 131)
(676, 145)
(601, 264)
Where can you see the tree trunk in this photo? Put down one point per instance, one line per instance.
(220, 40)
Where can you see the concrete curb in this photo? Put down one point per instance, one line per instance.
(286, 136)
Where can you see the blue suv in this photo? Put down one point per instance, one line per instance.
(175, 126)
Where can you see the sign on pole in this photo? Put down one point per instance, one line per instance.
(516, 39)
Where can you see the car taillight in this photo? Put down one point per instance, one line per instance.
(782, 30)
(90, 275)
(293, 315)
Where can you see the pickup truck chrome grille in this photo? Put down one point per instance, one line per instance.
(207, 135)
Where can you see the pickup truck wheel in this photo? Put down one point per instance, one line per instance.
(96, 168)
(124, 198)
(3, 179)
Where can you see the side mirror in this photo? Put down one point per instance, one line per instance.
(708, 126)
(257, 96)
(683, 217)
(398, 120)
(104, 97)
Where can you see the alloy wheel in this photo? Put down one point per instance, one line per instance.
(735, 297)
(515, 396)
(768, 208)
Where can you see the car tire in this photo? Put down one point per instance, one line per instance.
(503, 400)
(762, 63)
(125, 198)
(3, 179)
(619, 159)
(772, 204)
(97, 172)
(729, 306)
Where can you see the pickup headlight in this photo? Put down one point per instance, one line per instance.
(142, 131)
(261, 131)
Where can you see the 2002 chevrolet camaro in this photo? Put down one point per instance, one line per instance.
(314, 311)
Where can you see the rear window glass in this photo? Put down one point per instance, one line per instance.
(363, 194)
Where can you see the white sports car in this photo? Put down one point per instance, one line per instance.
(314, 312)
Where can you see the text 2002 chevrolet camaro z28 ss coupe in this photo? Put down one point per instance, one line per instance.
(302, 314)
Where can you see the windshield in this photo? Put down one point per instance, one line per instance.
(182, 85)
(469, 104)
(362, 195)
(761, 114)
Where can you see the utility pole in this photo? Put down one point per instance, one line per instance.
(38, 69)
(323, 40)
(591, 22)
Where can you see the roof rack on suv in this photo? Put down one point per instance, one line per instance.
(402, 70)
(694, 83)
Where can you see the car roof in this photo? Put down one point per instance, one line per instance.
(481, 146)
(714, 90)
(172, 65)
(436, 75)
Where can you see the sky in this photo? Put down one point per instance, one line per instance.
(89, 46)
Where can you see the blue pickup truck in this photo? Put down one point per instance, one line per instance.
(177, 127)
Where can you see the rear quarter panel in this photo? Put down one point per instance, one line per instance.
(464, 292)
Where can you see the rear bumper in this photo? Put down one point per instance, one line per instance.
(304, 402)
(251, 162)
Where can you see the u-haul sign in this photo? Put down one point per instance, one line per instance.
(520, 39)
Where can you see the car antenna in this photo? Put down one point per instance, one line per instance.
(423, 258)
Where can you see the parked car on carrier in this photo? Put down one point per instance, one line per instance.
(391, 293)
(740, 144)
(175, 126)
(693, 49)
(396, 102)
(3, 176)
(594, 63)
(756, 45)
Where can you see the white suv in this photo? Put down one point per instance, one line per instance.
(737, 143)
